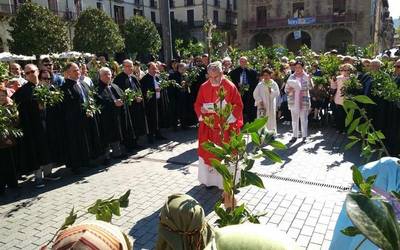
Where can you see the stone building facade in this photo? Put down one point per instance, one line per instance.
(193, 12)
(321, 24)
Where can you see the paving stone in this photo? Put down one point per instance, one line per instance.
(303, 240)
(317, 238)
(307, 230)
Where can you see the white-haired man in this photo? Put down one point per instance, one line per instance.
(204, 104)
(112, 107)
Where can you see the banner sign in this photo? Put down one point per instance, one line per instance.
(301, 21)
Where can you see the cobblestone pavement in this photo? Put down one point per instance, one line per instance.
(303, 196)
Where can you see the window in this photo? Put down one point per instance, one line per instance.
(216, 17)
(190, 17)
(171, 3)
(153, 16)
(189, 2)
(153, 4)
(137, 12)
(234, 4)
(261, 14)
(119, 14)
(228, 4)
(339, 7)
(216, 3)
(137, 2)
(99, 5)
(172, 16)
(298, 10)
(53, 5)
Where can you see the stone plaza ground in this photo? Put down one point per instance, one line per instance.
(303, 195)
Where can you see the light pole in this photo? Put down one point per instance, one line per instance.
(166, 29)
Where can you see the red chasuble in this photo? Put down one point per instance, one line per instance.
(208, 95)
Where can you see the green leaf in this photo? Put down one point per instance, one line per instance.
(357, 176)
(216, 150)
(114, 207)
(353, 125)
(349, 117)
(104, 214)
(70, 219)
(255, 138)
(124, 199)
(396, 195)
(222, 169)
(347, 104)
(380, 135)
(371, 179)
(250, 178)
(375, 219)
(277, 145)
(363, 99)
(350, 231)
(272, 155)
(249, 164)
(371, 139)
(363, 128)
(255, 125)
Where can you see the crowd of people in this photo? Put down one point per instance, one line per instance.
(68, 134)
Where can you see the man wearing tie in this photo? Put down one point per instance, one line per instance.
(245, 80)
(76, 120)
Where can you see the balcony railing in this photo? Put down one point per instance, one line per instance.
(10, 9)
(288, 22)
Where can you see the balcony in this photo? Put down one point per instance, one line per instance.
(276, 23)
(10, 9)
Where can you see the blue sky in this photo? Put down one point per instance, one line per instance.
(394, 8)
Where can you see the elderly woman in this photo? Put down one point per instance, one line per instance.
(339, 113)
(265, 95)
(204, 107)
(298, 90)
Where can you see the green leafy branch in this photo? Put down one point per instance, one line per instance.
(8, 122)
(130, 95)
(91, 107)
(233, 157)
(102, 209)
(48, 96)
(361, 130)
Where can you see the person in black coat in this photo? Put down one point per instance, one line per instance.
(150, 82)
(242, 76)
(184, 105)
(34, 147)
(77, 122)
(127, 80)
(112, 107)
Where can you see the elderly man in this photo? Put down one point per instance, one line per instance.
(226, 65)
(246, 81)
(110, 117)
(34, 147)
(151, 90)
(205, 101)
(16, 73)
(127, 80)
(56, 79)
(77, 144)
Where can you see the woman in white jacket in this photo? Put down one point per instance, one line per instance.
(265, 96)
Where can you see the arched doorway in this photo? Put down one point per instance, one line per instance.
(261, 39)
(295, 40)
(338, 39)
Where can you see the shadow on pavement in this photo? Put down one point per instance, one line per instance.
(145, 230)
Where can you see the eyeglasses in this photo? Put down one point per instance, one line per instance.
(48, 64)
(30, 72)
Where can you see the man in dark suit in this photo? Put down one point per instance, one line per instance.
(152, 95)
(127, 80)
(245, 80)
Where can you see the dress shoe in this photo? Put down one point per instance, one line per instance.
(293, 140)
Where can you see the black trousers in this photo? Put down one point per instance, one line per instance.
(8, 171)
(340, 116)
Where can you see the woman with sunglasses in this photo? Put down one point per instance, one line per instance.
(337, 85)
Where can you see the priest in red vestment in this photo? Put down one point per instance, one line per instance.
(207, 96)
